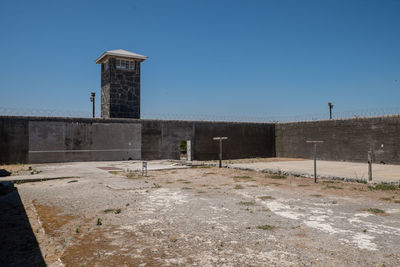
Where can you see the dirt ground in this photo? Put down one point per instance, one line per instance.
(206, 216)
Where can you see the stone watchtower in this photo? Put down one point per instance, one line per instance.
(120, 84)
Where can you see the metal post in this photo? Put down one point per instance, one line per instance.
(330, 110)
(315, 157)
(220, 148)
(369, 166)
(93, 99)
(315, 162)
(220, 153)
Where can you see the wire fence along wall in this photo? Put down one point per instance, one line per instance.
(207, 117)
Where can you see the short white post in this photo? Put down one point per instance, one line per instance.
(144, 168)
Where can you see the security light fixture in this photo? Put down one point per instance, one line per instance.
(92, 99)
(330, 110)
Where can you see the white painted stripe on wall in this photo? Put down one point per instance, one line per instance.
(83, 150)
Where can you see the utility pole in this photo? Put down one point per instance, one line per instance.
(315, 157)
(220, 138)
(92, 99)
(330, 110)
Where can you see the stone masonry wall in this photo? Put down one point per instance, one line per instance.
(344, 140)
(120, 94)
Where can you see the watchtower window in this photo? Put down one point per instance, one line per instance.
(125, 64)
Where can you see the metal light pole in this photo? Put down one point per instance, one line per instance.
(315, 157)
(330, 110)
(92, 99)
(220, 138)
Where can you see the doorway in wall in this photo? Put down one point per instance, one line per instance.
(185, 150)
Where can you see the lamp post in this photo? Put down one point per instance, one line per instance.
(330, 110)
(92, 99)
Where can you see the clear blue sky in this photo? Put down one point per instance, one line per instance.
(240, 58)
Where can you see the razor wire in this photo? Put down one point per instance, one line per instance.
(264, 118)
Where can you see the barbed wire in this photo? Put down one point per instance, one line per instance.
(43, 112)
(365, 113)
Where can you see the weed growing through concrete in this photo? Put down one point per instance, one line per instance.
(303, 185)
(333, 187)
(201, 166)
(132, 175)
(186, 188)
(186, 182)
(316, 195)
(247, 203)
(115, 211)
(108, 210)
(238, 186)
(77, 230)
(277, 184)
(73, 181)
(242, 177)
(266, 197)
(157, 185)
(210, 173)
(383, 187)
(328, 182)
(376, 211)
(99, 222)
(266, 227)
(386, 198)
(397, 201)
(277, 176)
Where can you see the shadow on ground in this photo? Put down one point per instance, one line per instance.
(18, 244)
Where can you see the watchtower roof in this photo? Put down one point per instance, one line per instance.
(120, 53)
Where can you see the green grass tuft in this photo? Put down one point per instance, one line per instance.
(266, 197)
(375, 211)
(383, 187)
(266, 227)
(333, 187)
(242, 177)
(238, 186)
(277, 176)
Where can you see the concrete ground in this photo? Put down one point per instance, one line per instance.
(103, 215)
(325, 169)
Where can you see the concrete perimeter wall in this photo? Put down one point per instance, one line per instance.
(344, 140)
(42, 139)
